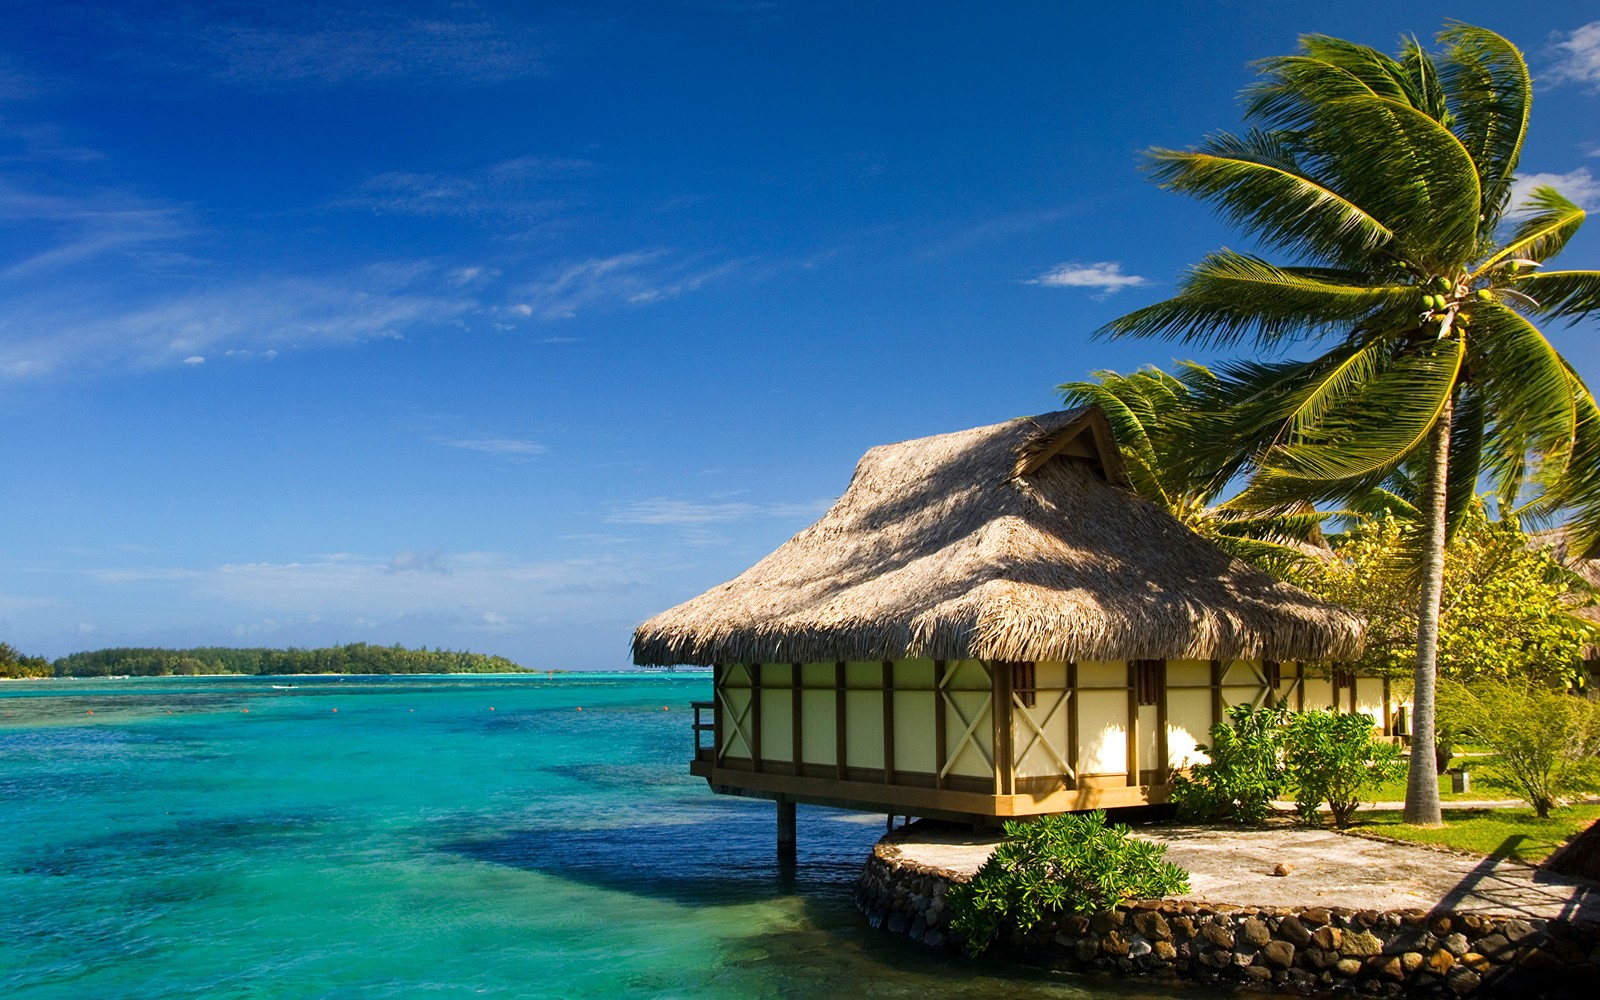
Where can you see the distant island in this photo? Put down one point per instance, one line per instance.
(353, 658)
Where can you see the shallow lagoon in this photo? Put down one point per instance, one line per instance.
(420, 836)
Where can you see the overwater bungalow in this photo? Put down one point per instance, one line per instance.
(991, 624)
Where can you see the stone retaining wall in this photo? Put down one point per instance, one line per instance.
(1312, 949)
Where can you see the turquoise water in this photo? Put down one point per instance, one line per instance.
(482, 836)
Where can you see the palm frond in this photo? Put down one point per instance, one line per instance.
(1254, 181)
(1377, 427)
(1562, 294)
(1524, 382)
(1490, 96)
(1291, 86)
(1229, 296)
(1466, 458)
(1424, 88)
(1405, 169)
(1548, 223)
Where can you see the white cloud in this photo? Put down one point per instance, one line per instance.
(694, 513)
(194, 359)
(75, 331)
(512, 190)
(507, 447)
(635, 278)
(1106, 276)
(1578, 186)
(1578, 56)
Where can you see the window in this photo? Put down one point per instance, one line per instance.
(1272, 670)
(1147, 680)
(1023, 684)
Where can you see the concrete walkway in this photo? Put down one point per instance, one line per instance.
(1329, 869)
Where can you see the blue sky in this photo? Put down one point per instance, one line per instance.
(504, 326)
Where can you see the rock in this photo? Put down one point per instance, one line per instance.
(1441, 962)
(1491, 944)
(1474, 924)
(1440, 926)
(1219, 936)
(1294, 932)
(1316, 916)
(1086, 949)
(897, 922)
(1366, 918)
(1347, 967)
(1319, 958)
(1463, 981)
(1393, 969)
(1327, 938)
(1255, 931)
(1411, 961)
(1278, 954)
(1257, 974)
(1516, 930)
(1107, 920)
(1301, 980)
(1455, 944)
(1138, 946)
(1216, 958)
(1164, 951)
(1152, 925)
(1114, 944)
(1362, 944)
(1282, 868)
(1075, 925)
(1183, 926)
(1476, 962)
(934, 939)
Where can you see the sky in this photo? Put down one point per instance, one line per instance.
(505, 326)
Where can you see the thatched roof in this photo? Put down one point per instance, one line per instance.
(1017, 541)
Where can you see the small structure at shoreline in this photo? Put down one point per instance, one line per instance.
(991, 624)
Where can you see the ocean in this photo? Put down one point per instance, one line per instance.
(423, 836)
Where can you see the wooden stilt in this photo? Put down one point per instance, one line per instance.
(786, 828)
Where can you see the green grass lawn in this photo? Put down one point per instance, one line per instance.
(1502, 833)
(1395, 791)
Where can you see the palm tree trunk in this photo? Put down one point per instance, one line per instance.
(1422, 780)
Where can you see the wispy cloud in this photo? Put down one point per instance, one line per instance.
(503, 447)
(81, 228)
(515, 190)
(71, 333)
(1577, 56)
(1106, 277)
(319, 45)
(637, 278)
(696, 513)
(1578, 186)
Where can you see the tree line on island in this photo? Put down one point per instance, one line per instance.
(351, 658)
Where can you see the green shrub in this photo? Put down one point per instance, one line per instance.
(1245, 772)
(1545, 740)
(1072, 862)
(1336, 758)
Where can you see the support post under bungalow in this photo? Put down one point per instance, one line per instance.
(786, 832)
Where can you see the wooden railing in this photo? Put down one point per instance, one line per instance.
(704, 726)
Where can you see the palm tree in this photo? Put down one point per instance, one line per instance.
(1156, 417)
(1386, 181)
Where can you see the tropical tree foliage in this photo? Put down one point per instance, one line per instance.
(1545, 741)
(1506, 610)
(1336, 759)
(14, 664)
(1386, 183)
(1158, 420)
(352, 658)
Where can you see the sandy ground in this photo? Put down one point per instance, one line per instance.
(1329, 869)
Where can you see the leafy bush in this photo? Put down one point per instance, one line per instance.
(1071, 861)
(1545, 740)
(1244, 773)
(1335, 758)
